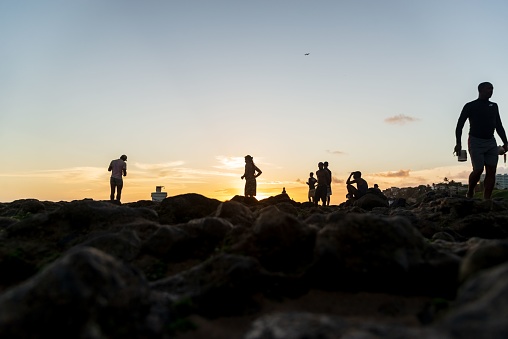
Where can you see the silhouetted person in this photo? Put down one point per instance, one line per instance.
(250, 175)
(322, 184)
(329, 183)
(483, 118)
(361, 185)
(117, 168)
(312, 187)
(283, 190)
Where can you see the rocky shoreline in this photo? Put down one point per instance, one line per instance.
(195, 267)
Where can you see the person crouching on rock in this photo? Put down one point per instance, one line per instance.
(361, 185)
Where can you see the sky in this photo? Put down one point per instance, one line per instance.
(186, 89)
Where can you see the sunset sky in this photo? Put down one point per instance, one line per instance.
(186, 89)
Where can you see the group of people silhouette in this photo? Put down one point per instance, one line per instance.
(484, 119)
(323, 180)
(323, 190)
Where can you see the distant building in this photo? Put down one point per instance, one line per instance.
(501, 181)
(158, 195)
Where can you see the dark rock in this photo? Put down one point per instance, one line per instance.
(375, 252)
(483, 225)
(484, 256)
(214, 259)
(279, 240)
(480, 308)
(23, 208)
(197, 239)
(183, 208)
(278, 199)
(303, 325)
(124, 245)
(7, 221)
(237, 213)
(84, 294)
(370, 201)
(222, 285)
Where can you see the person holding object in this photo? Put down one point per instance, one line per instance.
(483, 118)
(250, 175)
(117, 168)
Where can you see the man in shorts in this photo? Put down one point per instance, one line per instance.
(322, 185)
(483, 118)
(312, 187)
(117, 168)
(329, 187)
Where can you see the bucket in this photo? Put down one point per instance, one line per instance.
(463, 155)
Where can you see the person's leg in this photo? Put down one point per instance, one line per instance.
(321, 195)
(491, 159)
(477, 151)
(490, 180)
(119, 186)
(113, 186)
(474, 177)
(350, 189)
(353, 191)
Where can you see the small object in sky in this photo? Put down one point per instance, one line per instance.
(307, 53)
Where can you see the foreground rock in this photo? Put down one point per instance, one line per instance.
(99, 270)
(86, 293)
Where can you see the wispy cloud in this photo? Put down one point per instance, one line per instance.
(336, 180)
(159, 166)
(336, 152)
(229, 163)
(139, 173)
(68, 174)
(400, 119)
(396, 174)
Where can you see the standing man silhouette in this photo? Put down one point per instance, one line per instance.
(117, 168)
(322, 184)
(483, 118)
(312, 187)
(329, 183)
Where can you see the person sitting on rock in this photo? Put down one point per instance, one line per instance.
(361, 186)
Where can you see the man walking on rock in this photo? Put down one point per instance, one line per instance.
(483, 118)
(117, 168)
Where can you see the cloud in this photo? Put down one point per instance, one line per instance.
(400, 119)
(229, 163)
(336, 180)
(71, 174)
(334, 152)
(397, 174)
(159, 166)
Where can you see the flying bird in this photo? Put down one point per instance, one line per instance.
(307, 53)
